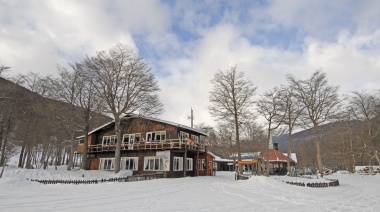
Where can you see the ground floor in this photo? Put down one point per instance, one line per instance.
(258, 167)
(173, 163)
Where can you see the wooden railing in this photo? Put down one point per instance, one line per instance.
(154, 145)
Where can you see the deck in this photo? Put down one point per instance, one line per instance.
(169, 144)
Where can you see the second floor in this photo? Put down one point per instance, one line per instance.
(138, 133)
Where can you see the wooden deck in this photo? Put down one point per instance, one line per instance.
(155, 145)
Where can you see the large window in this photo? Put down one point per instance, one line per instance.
(153, 164)
(129, 163)
(178, 164)
(107, 164)
(189, 164)
(155, 136)
(130, 139)
(109, 140)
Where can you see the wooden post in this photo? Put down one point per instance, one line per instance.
(196, 163)
(185, 160)
(206, 171)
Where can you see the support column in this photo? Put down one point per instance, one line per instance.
(206, 159)
(185, 160)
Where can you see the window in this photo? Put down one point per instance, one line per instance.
(109, 140)
(130, 139)
(195, 138)
(201, 164)
(189, 164)
(129, 163)
(160, 135)
(107, 164)
(153, 164)
(178, 164)
(81, 141)
(156, 136)
(183, 135)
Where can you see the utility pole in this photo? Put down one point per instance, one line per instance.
(191, 117)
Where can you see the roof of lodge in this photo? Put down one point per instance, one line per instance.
(132, 116)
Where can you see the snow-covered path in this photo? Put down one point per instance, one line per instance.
(218, 193)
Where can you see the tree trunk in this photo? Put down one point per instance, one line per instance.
(377, 157)
(318, 148)
(118, 143)
(20, 164)
(2, 170)
(71, 153)
(4, 137)
(85, 148)
(289, 150)
(240, 170)
(28, 163)
(352, 152)
(267, 162)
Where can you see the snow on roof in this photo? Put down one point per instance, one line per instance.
(223, 160)
(148, 118)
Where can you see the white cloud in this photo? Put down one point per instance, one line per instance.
(342, 39)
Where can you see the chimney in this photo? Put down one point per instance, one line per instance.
(275, 146)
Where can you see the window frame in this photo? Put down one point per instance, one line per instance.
(150, 163)
(199, 166)
(152, 136)
(189, 165)
(177, 163)
(123, 161)
(195, 138)
(184, 135)
(109, 140)
(102, 163)
(131, 141)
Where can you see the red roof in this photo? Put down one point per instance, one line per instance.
(276, 156)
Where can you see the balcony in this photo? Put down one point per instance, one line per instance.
(168, 144)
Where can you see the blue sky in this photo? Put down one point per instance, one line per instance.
(186, 42)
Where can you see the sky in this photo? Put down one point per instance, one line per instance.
(186, 42)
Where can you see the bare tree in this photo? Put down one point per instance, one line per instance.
(231, 99)
(88, 100)
(126, 85)
(366, 109)
(271, 107)
(226, 140)
(66, 88)
(252, 135)
(320, 101)
(292, 111)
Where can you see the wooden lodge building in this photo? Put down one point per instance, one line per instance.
(149, 145)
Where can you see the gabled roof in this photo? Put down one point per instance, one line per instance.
(132, 116)
(275, 156)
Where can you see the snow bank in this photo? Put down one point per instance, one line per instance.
(211, 193)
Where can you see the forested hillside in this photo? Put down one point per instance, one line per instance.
(36, 128)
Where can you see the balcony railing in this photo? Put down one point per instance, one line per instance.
(154, 145)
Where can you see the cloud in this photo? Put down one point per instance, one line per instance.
(187, 42)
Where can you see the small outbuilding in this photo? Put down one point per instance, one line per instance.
(277, 162)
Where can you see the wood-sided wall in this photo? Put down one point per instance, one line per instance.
(90, 141)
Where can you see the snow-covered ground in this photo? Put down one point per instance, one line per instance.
(219, 193)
